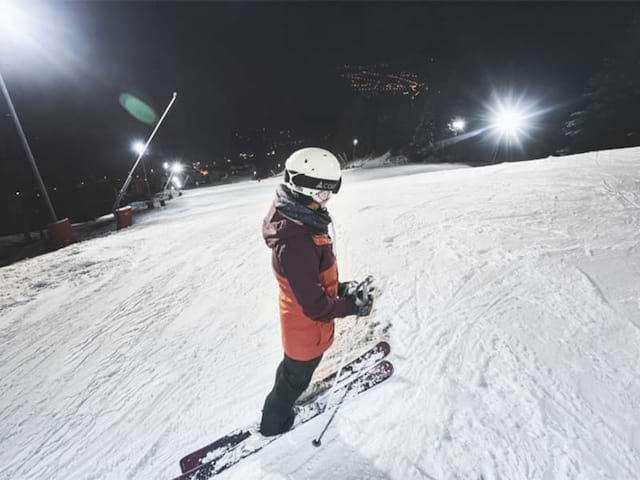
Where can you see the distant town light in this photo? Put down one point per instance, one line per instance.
(355, 142)
(166, 165)
(18, 194)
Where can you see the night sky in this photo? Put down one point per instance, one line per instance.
(240, 65)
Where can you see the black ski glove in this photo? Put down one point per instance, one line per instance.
(362, 296)
(345, 288)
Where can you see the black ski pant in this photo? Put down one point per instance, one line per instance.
(292, 378)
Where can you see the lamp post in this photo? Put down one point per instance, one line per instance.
(355, 144)
(138, 148)
(14, 23)
(141, 151)
(177, 167)
(25, 144)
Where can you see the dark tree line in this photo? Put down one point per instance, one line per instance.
(607, 115)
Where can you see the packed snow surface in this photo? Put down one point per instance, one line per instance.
(510, 296)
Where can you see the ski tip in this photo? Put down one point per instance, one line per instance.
(387, 366)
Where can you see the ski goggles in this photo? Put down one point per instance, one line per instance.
(305, 181)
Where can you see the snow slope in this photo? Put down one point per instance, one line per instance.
(511, 298)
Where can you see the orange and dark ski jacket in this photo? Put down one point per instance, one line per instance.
(305, 268)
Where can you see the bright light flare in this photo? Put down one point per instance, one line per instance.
(166, 165)
(15, 24)
(512, 120)
(458, 125)
(34, 28)
(509, 122)
(176, 182)
(138, 109)
(177, 168)
(137, 147)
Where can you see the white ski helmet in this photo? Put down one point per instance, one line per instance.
(313, 172)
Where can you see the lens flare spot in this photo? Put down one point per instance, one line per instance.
(138, 109)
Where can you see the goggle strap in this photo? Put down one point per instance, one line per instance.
(302, 180)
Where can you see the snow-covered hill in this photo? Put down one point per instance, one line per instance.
(511, 298)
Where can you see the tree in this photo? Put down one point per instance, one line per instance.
(423, 141)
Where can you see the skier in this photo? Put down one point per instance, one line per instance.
(296, 229)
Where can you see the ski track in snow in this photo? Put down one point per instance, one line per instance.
(510, 295)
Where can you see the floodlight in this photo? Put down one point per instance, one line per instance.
(15, 24)
(458, 125)
(509, 120)
(138, 147)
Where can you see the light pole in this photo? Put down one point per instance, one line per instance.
(138, 148)
(355, 144)
(116, 204)
(14, 25)
(25, 144)
(177, 167)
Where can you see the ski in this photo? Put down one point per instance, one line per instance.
(228, 454)
(356, 366)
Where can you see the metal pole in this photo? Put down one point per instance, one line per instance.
(130, 176)
(146, 181)
(316, 442)
(52, 213)
(166, 184)
(343, 361)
